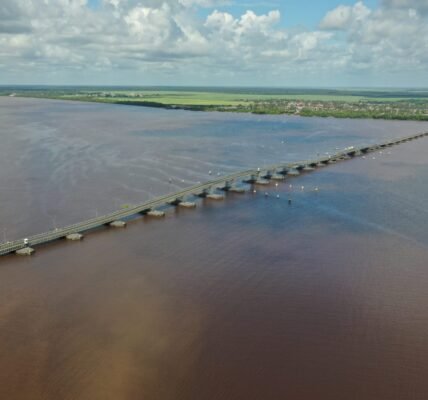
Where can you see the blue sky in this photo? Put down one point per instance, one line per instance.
(215, 42)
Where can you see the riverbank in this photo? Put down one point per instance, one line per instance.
(355, 104)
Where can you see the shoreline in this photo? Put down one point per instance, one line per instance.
(245, 109)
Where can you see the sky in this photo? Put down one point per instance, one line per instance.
(275, 43)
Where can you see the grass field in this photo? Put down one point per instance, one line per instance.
(341, 103)
(221, 98)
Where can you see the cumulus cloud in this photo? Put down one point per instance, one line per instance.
(392, 38)
(171, 36)
(343, 16)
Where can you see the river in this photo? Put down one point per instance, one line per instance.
(251, 298)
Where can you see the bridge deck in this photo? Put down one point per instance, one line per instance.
(9, 247)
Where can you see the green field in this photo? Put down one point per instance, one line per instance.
(341, 103)
(221, 98)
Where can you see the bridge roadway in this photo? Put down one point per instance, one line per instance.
(223, 182)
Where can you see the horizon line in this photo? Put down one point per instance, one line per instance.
(41, 85)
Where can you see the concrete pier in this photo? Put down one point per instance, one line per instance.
(266, 175)
(252, 179)
(26, 251)
(118, 224)
(236, 189)
(175, 202)
(187, 204)
(204, 193)
(156, 213)
(226, 186)
(215, 196)
(74, 237)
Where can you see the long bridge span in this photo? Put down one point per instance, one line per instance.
(24, 246)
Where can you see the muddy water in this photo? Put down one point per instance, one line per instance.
(251, 298)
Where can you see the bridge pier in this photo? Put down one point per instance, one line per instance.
(215, 196)
(26, 251)
(278, 177)
(156, 213)
(118, 224)
(145, 211)
(235, 189)
(262, 181)
(293, 172)
(187, 204)
(204, 193)
(267, 175)
(227, 186)
(176, 202)
(74, 237)
(253, 178)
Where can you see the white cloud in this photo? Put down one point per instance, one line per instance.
(391, 39)
(338, 18)
(343, 16)
(169, 37)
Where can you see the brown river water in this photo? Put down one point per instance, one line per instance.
(251, 298)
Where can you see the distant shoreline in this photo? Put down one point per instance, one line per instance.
(357, 104)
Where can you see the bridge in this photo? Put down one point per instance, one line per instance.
(225, 183)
